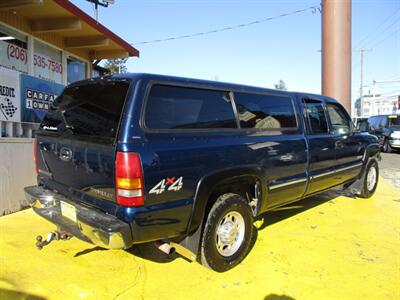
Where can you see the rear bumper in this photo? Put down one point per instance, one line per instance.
(91, 225)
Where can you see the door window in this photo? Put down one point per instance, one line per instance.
(363, 126)
(316, 116)
(372, 122)
(377, 122)
(340, 120)
(383, 122)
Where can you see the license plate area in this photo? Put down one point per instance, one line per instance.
(68, 211)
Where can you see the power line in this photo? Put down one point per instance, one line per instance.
(355, 65)
(376, 44)
(313, 9)
(393, 77)
(373, 33)
(378, 27)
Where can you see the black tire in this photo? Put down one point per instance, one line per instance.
(365, 191)
(386, 146)
(210, 255)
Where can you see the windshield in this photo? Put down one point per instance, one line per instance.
(92, 109)
(394, 121)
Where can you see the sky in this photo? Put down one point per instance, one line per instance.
(285, 48)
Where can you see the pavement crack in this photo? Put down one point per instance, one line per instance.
(133, 283)
(364, 257)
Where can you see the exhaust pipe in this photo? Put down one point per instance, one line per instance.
(171, 247)
(165, 247)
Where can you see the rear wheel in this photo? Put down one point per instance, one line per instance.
(370, 180)
(227, 233)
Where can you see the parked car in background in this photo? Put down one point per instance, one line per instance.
(189, 164)
(387, 129)
(361, 123)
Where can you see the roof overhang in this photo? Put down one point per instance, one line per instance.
(61, 23)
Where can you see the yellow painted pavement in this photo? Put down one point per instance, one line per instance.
(324, 247)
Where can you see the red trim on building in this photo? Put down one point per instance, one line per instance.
(93, 23)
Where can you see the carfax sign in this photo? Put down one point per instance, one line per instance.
(37, 96)
(9, 95)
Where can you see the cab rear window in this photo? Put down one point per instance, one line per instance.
(92, 109)
(265, 111)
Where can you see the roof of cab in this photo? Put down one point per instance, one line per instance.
(210, 84)
(197, 82)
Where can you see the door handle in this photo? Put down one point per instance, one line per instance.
(338, 145)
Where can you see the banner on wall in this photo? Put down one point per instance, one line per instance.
(10, 109)
(36, 96)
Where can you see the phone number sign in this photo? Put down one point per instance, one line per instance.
(17, 58)
(47, 68)
(13, 57)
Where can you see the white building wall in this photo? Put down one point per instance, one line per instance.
(17, 170)
(380, 105)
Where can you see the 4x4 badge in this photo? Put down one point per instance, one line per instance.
(169, 184)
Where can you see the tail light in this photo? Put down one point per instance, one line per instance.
(129, 179)
(35, 156)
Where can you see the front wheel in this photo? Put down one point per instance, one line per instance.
(227, 233)
(386, 146)
(370, 180)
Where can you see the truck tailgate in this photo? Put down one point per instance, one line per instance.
(75, 147)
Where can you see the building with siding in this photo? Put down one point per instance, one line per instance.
(377, 104)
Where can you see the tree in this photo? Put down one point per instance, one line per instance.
(116, 66)
(280, 85)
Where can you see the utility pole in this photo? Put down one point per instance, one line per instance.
(96, 4)
(336, 50)
(362, 51)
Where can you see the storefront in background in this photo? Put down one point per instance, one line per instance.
(44, 46)
(32, 74)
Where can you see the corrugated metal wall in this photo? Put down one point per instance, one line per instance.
(17, 170)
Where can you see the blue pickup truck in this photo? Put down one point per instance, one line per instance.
(188, 164)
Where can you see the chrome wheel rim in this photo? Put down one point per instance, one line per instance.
(230, 233)
(371, 178)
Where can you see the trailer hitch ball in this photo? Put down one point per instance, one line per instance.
(39, 245)
(50, 237)
(54, 235)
